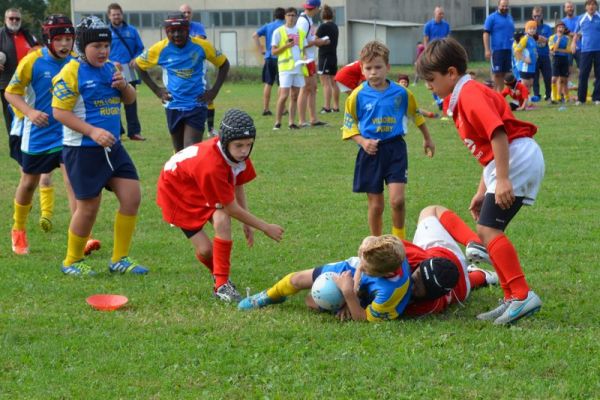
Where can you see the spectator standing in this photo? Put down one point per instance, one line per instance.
(498, 31)
(328, 60)
(126, 45)
(437, 27)
(570, 21)
(308, 93)
(15, 43)
(269, 72)
(587, 29)
(543, 65)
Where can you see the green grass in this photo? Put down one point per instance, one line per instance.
(173, 340)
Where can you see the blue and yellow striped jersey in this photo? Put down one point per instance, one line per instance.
(33, 81)
(382, 298)
(183, 69)
(86, 91)
(380, 114)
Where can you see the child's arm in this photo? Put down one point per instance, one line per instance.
(101, 136)
(119, 82)
(428, 145)
(350, 129)
(37, 117)
(162, 93)
(240, 197)
(345, 282)
(368, 145)
(477, 200)
(234, 210)
(505, 196)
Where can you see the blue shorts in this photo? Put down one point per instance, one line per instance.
(90, 171)
(337, 267)
(501, 61)
(389, 165)
(14, 144)
(560, 66)
(527, 75)
(196, 118)
(36, 164)
(270, 73)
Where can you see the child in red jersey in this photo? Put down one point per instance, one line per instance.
(205, 183)
(349, 77)
(513, 167)
(517, 91)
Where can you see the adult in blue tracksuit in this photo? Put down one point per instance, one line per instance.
(498, 31)
(588, 28)
(125, 46)
(544, 65)
(570, 20)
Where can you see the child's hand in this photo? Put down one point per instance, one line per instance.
(249, 233)
(118, 81)
(164, 95)
(370, 146)
(344, 314)
(505, 196)
(527, 60)
(475, 206)
(38, 118)
(345, 282)
(103, 137)
(275, 232)
(429, 147)
(208, 96)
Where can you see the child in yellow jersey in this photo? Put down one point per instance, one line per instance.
(376, 118)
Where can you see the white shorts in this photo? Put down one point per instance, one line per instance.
(343, 88)
(525, 170)
(287, 80)
(431, 233)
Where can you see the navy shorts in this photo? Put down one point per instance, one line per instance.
(389, 165)
(501, 61)
(36, 164)
(327, 65)
(196, 118)
(527, 75)
(91, 168)
(560, 66)
(14, 144)
(493, 216)
(270, 74)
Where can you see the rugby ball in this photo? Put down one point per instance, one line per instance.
(326, 293)
(2, 57)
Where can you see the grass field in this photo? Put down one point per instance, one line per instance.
(173, 340)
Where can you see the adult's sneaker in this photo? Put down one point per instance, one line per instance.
(78, 268)
(518, 309)
(228, 293)
(491, 277)
(20, 245)
(476, 253)
(127, 265)
(259, 300)
(492, 315)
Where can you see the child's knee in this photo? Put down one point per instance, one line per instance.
(487, 234)
(397, 203)
(222, 224)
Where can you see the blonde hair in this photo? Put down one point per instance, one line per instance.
(381, 255)
(374, 49)
(530, 24)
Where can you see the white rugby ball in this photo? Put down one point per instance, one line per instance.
(326, 293)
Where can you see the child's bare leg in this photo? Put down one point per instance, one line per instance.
(191, 135)
(26, 188)
(177, 138)
(398, 206)
(375, 213)
(284, 93)
(291, 284)
(294, 105)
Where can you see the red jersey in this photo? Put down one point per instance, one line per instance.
(479, 111)
(519, 92)
(350, 75)
(196, 182)
(415, 255)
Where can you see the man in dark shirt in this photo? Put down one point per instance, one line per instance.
(327, 67)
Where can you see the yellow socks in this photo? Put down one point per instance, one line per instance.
(123, 233)
(47, 201)
(20, 216)
(400, 233)
(555, 94)
(75, 247)
(283, 288)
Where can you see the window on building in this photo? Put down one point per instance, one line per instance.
(477, 15)
(527, 13)
(252, 18)
(265, 17)
(146, 20)
(159, 18)
(215, 19)
(339, 15)
(133, 19)
(239, 18)
(227, 18)
(555, 12)
(516, 13)
(579, 9)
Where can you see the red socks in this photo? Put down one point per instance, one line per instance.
(507, 265)
(460, 231)
(476, 279)
(208, 263)
(221, 260)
